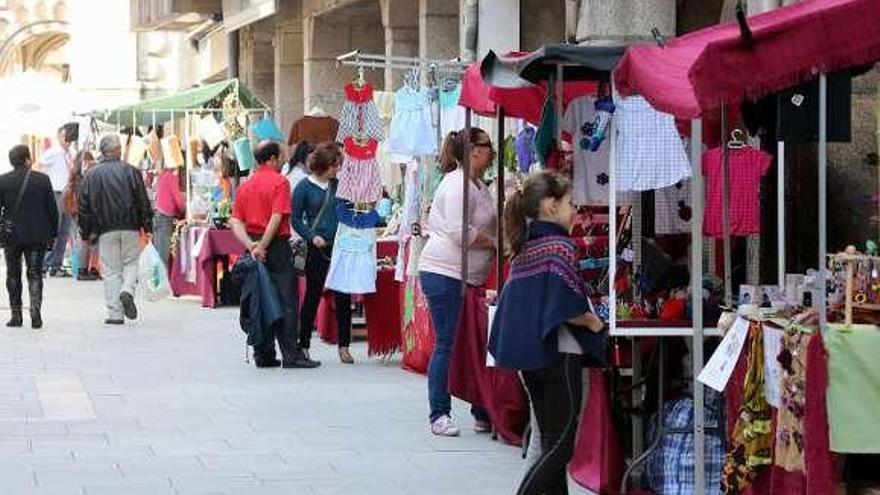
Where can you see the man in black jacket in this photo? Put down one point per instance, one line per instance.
(31, 207)
(113, 208)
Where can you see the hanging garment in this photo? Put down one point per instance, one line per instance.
(789, 454)
(315, 129)
(359, 180)
(409, 216)
(590, 168)
(353, 261)
(385, 106)
(650, 152)
(355, 219)
(525, 148)
(853, 393)
(672, 209)
(451, 113)
(412, 131)
(751, 443)
(747, 167)
(360, 116)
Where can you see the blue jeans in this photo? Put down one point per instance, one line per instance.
(444, 302)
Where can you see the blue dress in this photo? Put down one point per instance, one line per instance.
(412, 130)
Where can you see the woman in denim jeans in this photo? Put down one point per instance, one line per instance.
(440, 262)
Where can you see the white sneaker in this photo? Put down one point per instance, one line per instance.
(444, 427)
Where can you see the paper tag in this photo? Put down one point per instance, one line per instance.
(772, 371)
(490, 360)
(797, 100)
(717, 371)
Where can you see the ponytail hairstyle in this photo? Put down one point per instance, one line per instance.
(452, 154)
(524, 204)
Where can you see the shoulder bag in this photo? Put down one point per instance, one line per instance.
(300, 247)
(7, 218)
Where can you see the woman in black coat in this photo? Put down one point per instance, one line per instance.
(36, 226)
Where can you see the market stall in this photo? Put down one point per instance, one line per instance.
(206, 133)
(724, 65)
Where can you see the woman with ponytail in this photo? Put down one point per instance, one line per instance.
(440, 263)
(543, 322)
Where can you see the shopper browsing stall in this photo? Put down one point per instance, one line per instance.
(537, 328)
(260, 217)
(440, 265)
(83, 251)
(170, 208)
(314, 219)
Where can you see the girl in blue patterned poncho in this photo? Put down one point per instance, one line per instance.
(542, 324)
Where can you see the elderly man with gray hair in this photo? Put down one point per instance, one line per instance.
(113, 209)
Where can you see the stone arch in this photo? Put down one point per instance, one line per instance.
(28, 46)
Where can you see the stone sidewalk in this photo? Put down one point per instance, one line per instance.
(167, 405)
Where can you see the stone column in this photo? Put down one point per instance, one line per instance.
(257, 59)
(498, 27)
(603, 21)
(438, 29)
(400, 18)
(289, 64)
(327, 36)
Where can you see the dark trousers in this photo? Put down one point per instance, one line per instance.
(33, 257)
(279, 263)
(556, 394)
(317, 265)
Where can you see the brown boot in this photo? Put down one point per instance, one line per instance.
(345, 356)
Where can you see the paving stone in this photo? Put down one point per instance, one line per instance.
(175, 410)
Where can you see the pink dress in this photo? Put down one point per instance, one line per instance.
(359, 179)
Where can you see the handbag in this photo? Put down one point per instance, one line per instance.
(300, 247)
(7, 222)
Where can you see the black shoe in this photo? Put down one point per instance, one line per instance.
(113, 321)
(267, 363)
(299, 360)
(86, 276)
(16, 320)
(59, 273)
(36, 319)
(128, 306)
(93, 273)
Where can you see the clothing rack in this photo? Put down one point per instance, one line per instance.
(436, 69)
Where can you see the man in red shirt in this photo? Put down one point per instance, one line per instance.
(261, 221)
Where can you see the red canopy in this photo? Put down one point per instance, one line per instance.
(704, 69)
(521, 103)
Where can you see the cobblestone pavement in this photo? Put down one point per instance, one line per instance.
(167, 405)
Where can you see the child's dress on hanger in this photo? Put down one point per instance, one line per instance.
(353, 261)
(360, 116)
(359, 178)
(412, 129)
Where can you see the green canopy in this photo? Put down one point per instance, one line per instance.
(208, 96)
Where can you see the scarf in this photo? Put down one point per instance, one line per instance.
(545, 289)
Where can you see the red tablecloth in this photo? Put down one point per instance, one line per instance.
(216, 243)
(497, 390)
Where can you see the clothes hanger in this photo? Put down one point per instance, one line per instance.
(736, 140)
(316, 111)
(360, 82)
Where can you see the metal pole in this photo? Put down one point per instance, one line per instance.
(823, 199)
(466, 202)
(612, 226)
(560, 103)
(697, 200)
(780, 213)
(725, 207)
(499, 185)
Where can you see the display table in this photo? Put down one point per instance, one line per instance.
(198, 252)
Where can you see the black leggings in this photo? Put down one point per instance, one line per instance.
(556, 393)
(33, 257)
(317, 265)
